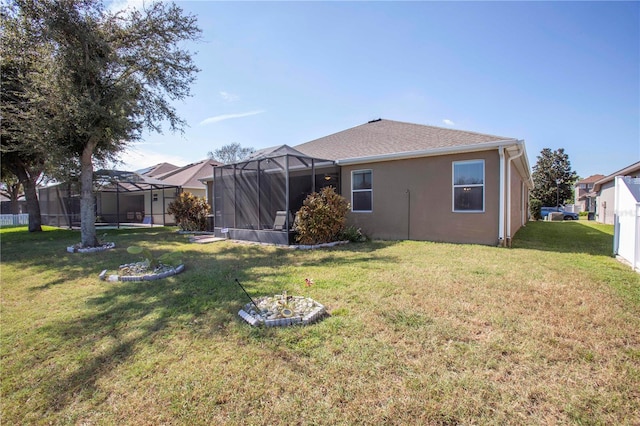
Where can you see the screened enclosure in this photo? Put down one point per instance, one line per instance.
(121, 197)
(257, 199)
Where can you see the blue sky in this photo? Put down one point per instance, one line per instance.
(556, 74)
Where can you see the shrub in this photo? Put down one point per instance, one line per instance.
(534, 208)
(190, 212)
(353, 234)
(322, 217)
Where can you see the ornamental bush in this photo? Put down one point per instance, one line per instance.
(190, 212)
(322, 217)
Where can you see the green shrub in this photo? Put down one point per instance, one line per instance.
(534, 208)
(322, 217)
(190, 212)
(353, 234)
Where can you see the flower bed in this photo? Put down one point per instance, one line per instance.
(140, 271)
(282, 310)
(78, 248)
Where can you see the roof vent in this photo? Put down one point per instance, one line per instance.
(373, 121)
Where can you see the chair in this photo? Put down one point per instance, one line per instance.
(280, 221)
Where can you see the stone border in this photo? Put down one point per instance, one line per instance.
(104, 247)
(148, 277)
(291, 246)
(310, 318)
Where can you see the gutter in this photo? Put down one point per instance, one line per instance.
(519, 154)
(501, 212)
(426, 153)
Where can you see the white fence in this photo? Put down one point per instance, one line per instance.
(626, 238)
(14, 219)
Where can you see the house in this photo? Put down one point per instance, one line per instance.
(584, 196)
(126, 197)
(604, 191)
(188, 178)
(403, 181)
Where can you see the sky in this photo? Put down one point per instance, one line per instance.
(554, 74)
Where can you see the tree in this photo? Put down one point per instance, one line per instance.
(553, 178)
(11, 188)
(23, 134)
(229, 154)
(113, 76)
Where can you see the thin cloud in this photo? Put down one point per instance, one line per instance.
(222, 117)
(127, 5)
(229, 97)
(448, 122)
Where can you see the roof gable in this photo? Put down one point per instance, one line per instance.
(632, 170)
(387, 137)
(189, 176)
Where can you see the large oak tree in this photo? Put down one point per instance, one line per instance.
(112, 76)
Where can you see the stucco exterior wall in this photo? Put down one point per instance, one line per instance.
(519, 203)
(605, 203)
(412, 199)
(153, 205)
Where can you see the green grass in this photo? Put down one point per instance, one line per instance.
(546, 332)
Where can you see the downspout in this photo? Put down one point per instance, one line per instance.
(117, 205)
(501, 203)
(519, 154)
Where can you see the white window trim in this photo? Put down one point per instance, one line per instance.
(362, 190)
(453, 186)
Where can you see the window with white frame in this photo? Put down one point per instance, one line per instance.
(468, 186)
(361, 191)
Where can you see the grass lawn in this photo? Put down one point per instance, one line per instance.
(547, 332)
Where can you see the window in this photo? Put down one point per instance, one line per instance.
(361, 191)
(468, 186)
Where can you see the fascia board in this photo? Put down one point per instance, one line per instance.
(426, 153)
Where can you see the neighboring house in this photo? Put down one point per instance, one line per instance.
(417, 182)
(121, 197)
(585, 198)
(126, 197)
(189, 177)
(604, 192)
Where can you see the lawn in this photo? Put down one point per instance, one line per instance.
(547, 332)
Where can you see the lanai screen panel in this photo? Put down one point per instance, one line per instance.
(273, 182)
(224, 196)
(250, 195)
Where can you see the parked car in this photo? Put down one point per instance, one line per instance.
(544, 212)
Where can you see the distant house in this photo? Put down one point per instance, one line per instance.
(403, 181)
(585, 198)
(126, 197)
(188, 178)
(604, 192)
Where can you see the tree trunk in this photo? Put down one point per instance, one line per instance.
(33, 206)
(14, 194)
(87, 198)
(28, 180)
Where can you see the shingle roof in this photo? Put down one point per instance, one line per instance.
(188, 176)
(158, 169)
(384, 137)
(590, 179)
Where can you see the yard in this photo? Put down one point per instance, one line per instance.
(547, 332)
